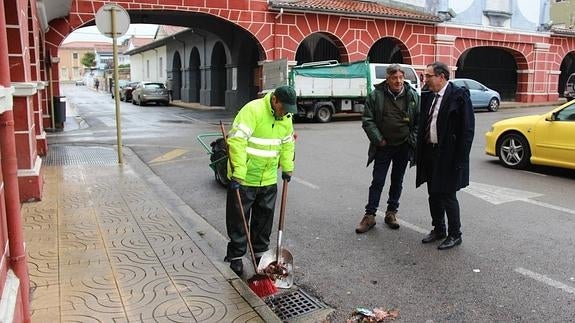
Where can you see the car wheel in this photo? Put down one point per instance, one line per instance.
(513, 150)
(493, 105)
(323, 114)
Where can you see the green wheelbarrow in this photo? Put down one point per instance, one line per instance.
(218, 156)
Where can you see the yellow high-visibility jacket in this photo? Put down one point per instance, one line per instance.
(258, 144)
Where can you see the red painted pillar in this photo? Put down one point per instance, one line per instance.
(10, 173)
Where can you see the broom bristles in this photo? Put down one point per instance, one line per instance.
(262, 286)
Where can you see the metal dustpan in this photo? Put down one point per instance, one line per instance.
(286, 259)
(279, 255)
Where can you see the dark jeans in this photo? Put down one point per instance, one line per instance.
(441, 204)
(259, 205)
(398, 157)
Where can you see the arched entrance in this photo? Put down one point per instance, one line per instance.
(320, 47)
(495, 67)
(177, 77)
(567, 68)
(195, 75)
(389, 50)
(218, 73)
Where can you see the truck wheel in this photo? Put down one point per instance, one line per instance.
(323, 114)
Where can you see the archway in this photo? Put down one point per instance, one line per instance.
(218, 73)
(320, 47)
(389, 50)
(177, 77)
(495, 67)
(195, 75)
(567, 68)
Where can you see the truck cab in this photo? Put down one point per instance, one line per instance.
(378, 73)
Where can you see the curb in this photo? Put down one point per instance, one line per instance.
(208, 239)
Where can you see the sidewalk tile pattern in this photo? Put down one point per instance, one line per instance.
(101, 248)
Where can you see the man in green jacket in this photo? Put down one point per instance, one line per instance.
(261, 140)
(390, 121)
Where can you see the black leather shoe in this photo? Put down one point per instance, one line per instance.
(433, 236)
(449, 243)
(237, 266)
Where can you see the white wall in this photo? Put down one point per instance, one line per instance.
(145, 66)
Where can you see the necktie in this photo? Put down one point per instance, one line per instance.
(430, 118)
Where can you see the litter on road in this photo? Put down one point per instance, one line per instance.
(377, 315)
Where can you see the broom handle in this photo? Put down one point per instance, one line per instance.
(282, 219)
(240, 206)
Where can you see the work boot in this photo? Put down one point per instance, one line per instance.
(391, 220)
(366, 223)
(237, 266)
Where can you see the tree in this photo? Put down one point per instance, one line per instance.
(89, 59)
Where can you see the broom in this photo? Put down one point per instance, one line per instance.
(261, 284)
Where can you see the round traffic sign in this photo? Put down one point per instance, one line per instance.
(121, 20)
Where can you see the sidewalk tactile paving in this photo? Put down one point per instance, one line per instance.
(101, 248)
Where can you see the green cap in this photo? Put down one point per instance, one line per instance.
(286, 95)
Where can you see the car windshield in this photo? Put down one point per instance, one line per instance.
(154, 86)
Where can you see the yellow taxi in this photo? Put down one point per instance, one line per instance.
(547, 139)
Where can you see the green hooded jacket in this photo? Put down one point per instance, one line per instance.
(373, 116)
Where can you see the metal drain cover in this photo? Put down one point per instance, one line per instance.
(61, 155)
(293, 304)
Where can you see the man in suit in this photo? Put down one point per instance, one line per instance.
(446, 129)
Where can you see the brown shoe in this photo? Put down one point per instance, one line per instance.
(366, 223)
(391, 220)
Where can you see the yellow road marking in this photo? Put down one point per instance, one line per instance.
(169, 155)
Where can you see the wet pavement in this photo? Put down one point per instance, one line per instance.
(112, 243)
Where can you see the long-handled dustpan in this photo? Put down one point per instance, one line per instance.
(279, 256)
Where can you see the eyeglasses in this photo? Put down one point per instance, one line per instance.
(429, 75)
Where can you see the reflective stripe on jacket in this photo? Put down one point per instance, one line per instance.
(259, 144)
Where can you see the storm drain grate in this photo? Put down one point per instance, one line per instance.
(59, 155)
(293, 304)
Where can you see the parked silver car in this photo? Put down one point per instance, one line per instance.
(147, 92)
(481, 96)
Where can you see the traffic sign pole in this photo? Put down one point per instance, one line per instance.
(113, 21)
(116, 91)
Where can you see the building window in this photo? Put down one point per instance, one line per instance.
(161, 65)
(148, 69)
(64, 74)
(76, 72)
(75, 55)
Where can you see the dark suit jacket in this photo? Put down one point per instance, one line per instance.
(455, 130)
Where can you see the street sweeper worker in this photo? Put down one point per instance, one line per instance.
(260, 141)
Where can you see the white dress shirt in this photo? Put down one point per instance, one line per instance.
(433, 125)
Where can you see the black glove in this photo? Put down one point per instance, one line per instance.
(286, 176)
(234, 185)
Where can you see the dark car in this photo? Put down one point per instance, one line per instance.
(147, 92)
(121, 84)
(569, 92)
(126, 91)
(482, 97)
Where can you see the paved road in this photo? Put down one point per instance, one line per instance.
(517, 262)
